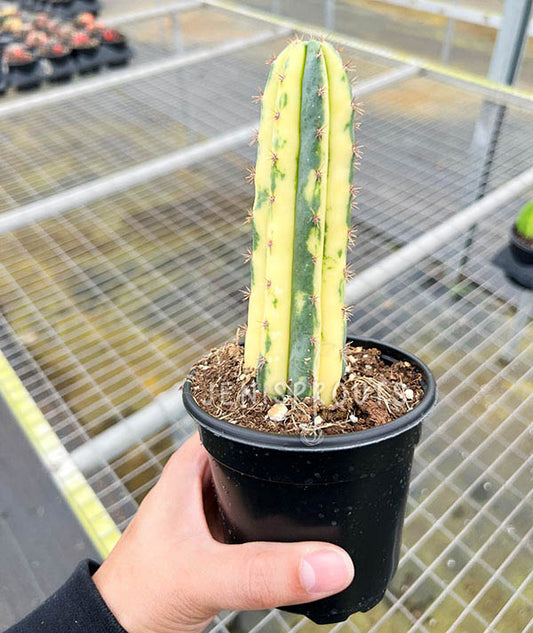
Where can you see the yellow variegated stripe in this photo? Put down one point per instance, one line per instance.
(338, 212)
(274, 355)
(262, 179)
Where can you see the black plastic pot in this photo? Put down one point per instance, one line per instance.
(520, 250)
(116, 53)
(350, 490)
(87, 60)
(24, 76)
(4, 85)
(516, 261)
(5, 40)
(57, 67)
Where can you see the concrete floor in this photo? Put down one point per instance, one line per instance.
(40, 539)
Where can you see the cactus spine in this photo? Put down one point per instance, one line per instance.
(301, 222)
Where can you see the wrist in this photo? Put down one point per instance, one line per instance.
(119, 600)
(128, 597)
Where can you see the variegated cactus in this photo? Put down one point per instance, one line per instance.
(301, 223)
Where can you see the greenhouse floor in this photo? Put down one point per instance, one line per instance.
(122, 202)
(40, 539)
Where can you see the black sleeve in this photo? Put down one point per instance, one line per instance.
(76, 607)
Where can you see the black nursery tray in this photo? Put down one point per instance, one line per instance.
(114, 52)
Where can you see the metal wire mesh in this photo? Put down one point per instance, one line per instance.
(109, 304)
(120, 7)
(421, 28)
(50, 149)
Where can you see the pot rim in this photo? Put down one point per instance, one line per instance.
(22, 65)
(516, 240)
(262, 439)
(56, 56)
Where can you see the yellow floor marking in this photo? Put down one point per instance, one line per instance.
(82, 499)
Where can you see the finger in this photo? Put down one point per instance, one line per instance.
(266, 575)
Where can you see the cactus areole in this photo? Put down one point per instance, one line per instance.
(301, 224)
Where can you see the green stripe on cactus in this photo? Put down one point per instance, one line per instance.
(256, 304)
(310, 213)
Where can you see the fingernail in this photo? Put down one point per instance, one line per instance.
(326, 571)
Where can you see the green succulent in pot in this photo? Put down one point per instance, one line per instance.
(521, 247)
(278, 475)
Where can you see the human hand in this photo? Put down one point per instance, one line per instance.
(169, 574)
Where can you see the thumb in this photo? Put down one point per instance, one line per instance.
(266, 575)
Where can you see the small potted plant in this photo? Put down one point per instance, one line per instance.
(5, 40)
(40, 20)
(310, 436)
(84, 21)
(64, 31)
(515, 259)
(4, 74)
(36, 39)
(23, 67)
(94, 27)
(522, 235)
(7, 18)
(10, 23)
(115, 49)
(21, 33)
(86, 52)
(56, 61)
(8, 14)
(51, 27)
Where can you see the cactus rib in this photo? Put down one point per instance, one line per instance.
(310, 216)
(338, 223)
(259, 213)
(272, 375)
